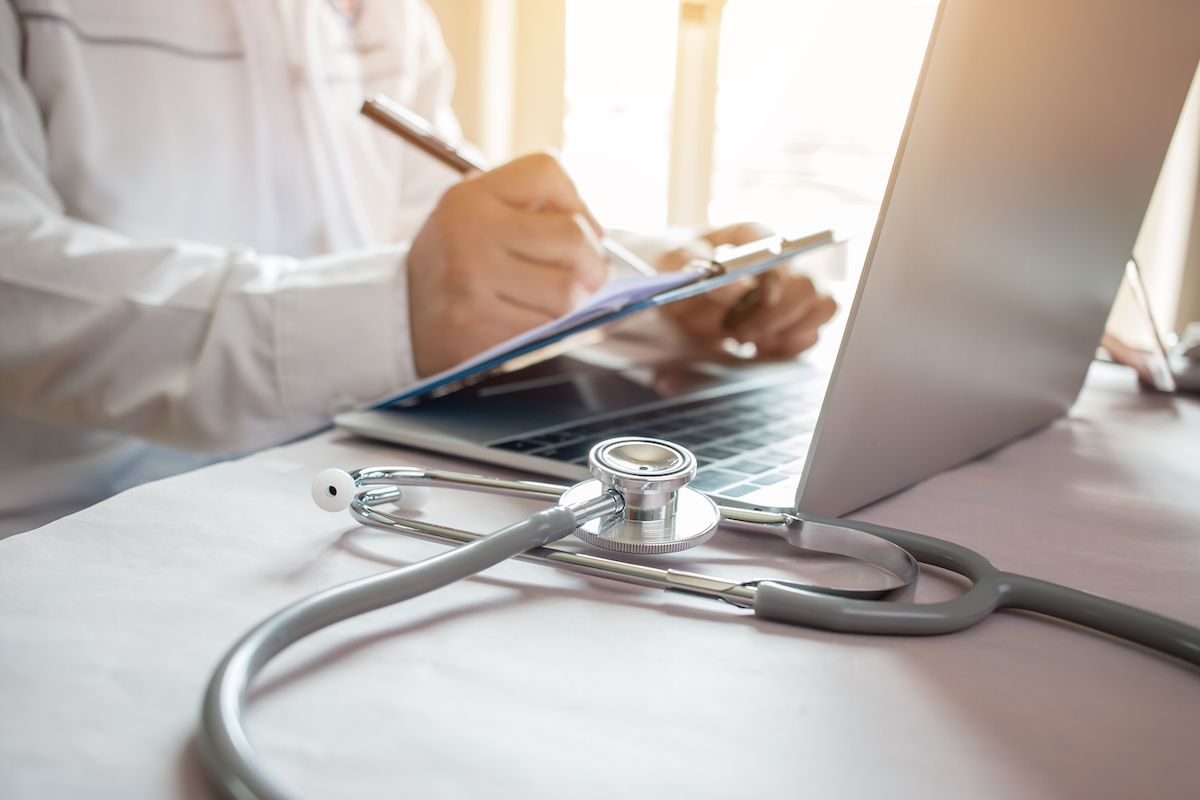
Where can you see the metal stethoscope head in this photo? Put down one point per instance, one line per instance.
(660, 512)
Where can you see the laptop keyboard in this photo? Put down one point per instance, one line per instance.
(742, 442)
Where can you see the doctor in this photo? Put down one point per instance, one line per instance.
(204, 250)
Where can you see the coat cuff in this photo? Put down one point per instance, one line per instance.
(342, 337)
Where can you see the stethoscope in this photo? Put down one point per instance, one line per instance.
(638, 502)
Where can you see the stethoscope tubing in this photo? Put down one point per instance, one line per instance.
(991, 589)
(224, 743)
(1135, 625)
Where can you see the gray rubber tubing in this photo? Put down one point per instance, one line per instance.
(224, 746)
(991, 589)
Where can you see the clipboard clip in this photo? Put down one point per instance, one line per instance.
(729, 259)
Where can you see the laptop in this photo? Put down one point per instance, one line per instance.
(1034, 140)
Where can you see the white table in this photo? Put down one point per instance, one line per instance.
(527, 682)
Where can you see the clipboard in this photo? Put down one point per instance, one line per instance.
(615, 301)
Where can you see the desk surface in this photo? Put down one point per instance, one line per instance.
(529, 682)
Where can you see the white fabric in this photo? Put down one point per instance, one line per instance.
(201, 243)
(528, 682)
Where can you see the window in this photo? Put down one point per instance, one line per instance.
(619, 82)
(810, 99)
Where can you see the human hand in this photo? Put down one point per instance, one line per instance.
(781, 314)
(503, 252)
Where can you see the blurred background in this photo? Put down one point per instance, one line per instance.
(706, 112)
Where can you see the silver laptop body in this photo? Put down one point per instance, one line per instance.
(1034, 141)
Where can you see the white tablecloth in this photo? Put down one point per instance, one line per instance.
(530, 682)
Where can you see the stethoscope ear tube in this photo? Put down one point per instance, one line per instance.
(1136, 625)
(991, 589)
(783, 603)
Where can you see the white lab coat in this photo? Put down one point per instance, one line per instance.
(201, 242)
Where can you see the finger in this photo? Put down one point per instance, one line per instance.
(548, 289)
(793, 300)
(767, 293)
(794, 342)
(697, 319)
(731, 294)
(565, 240)
(742, 309)
(538, 181)
(804, 334)
(703, 315)
(708, 316)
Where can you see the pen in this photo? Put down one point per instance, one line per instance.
(417, 131)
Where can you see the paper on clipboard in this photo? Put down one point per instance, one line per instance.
(612, 298)
(618, 299)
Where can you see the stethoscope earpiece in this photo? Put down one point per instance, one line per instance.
(333, 489)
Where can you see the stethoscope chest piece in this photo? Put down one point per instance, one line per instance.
(660, 513)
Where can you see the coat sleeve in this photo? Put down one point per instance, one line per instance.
(184, 343)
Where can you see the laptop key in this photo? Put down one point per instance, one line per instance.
(668, 427)
(742, 444)
(558, 437)
(771, 458)
(750, 467)
(715, 452)
(770, 479)
(741, 490)
(721, 431)
(714, 478)
(690, 441)
(761, 438)
(593, 429)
